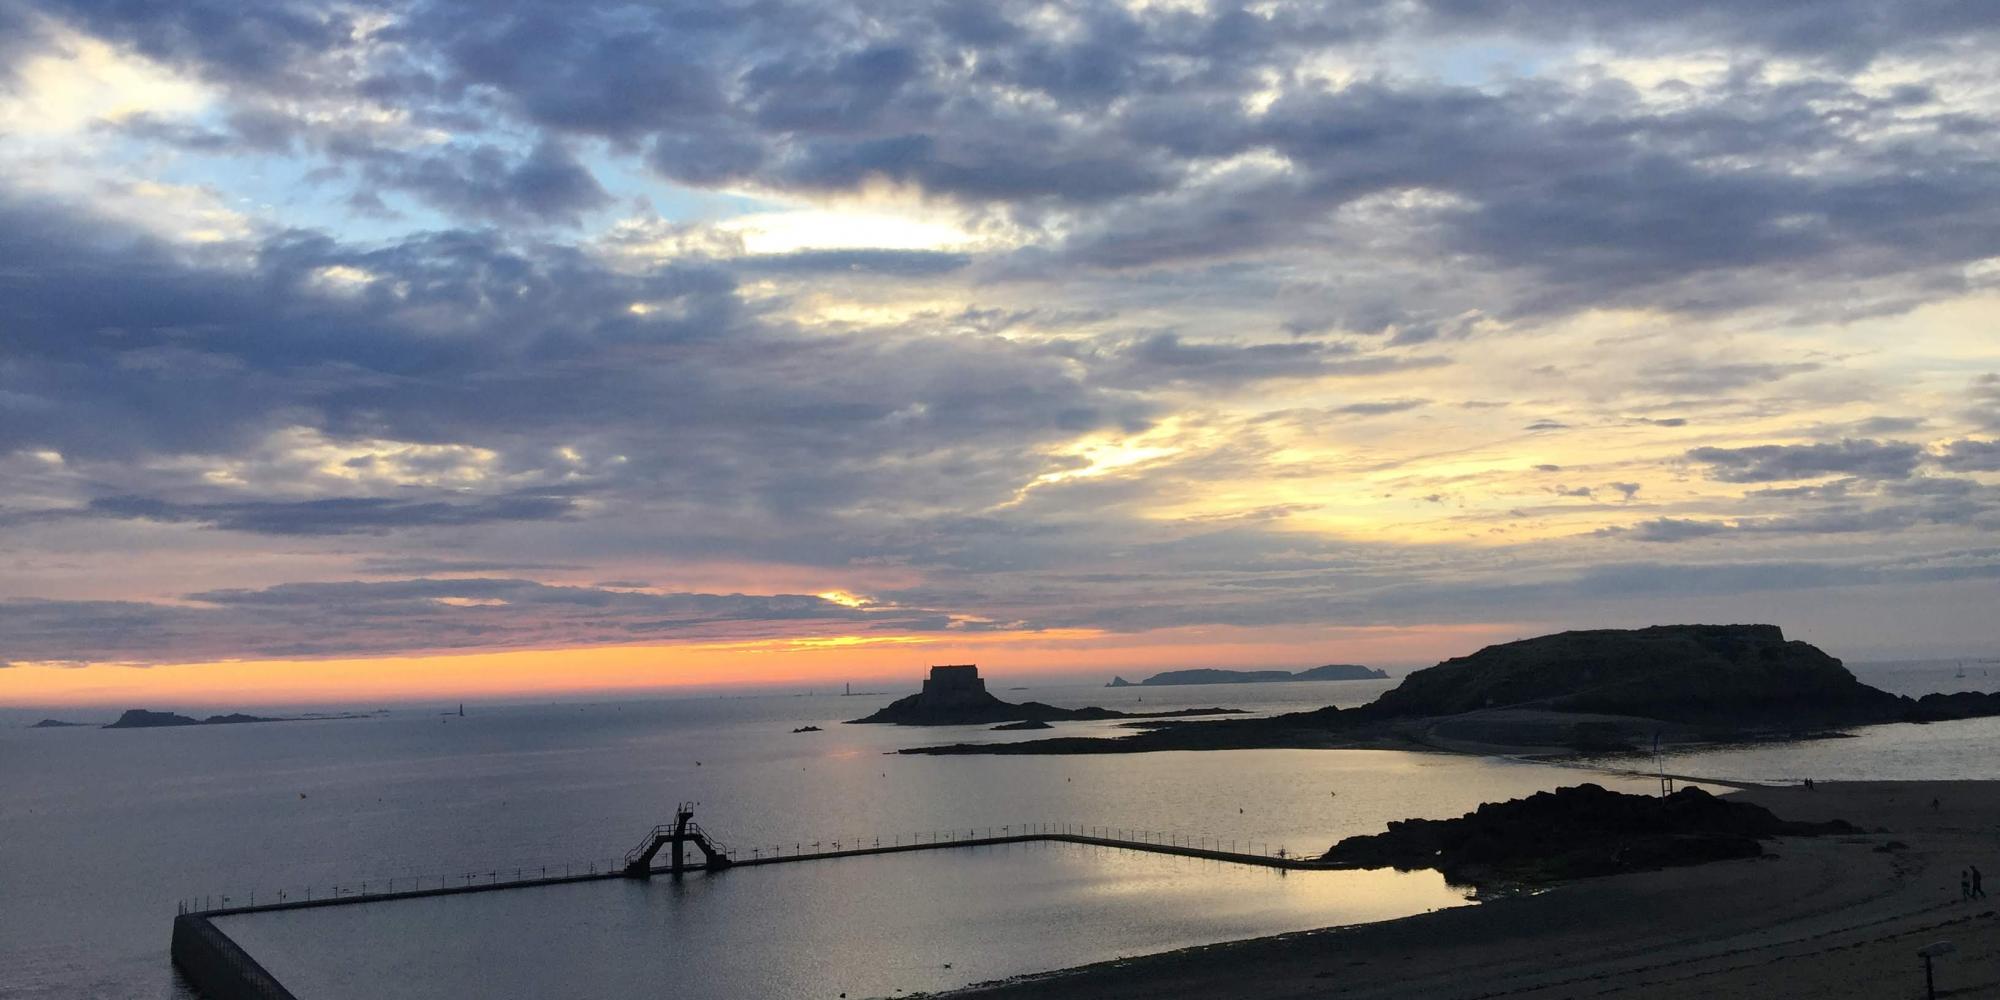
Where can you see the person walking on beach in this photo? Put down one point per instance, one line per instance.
(1978, 889)
(1964, 885)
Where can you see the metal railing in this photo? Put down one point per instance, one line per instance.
(532, 873)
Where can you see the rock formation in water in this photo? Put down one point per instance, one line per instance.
(1009, 727)
(139, 718)
(1707, 674)
(1119, 682)
(1576, 833)
(956, 696)
(1330, 672)
(1591, 691)
(56, 724)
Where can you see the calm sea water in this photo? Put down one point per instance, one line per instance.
(105, 830)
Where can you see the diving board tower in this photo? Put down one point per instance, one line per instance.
(682, 832)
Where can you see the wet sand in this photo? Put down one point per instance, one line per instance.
(1821, 917)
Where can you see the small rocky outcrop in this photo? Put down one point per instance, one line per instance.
(1010, 727)
(1205, 675)
(1119, 682)
(139, 718)
(806, 729)
(956, 696)
(1957, 705)
(56, 724)
(1576, 832)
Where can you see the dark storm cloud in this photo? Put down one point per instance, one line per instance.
(1865, 459)
(369, 618)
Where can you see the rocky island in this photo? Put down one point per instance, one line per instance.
(1580, 832)
(57, 724)
(955, 695)
(1584, 691)
(139, 718)
(1329, 672)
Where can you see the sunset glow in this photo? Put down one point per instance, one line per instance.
(413, 360)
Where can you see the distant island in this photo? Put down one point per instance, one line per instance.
(57, 724)
(1329, 672)
(139, 718)
(954, 695)
(1595, 691)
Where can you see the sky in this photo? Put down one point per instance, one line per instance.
(358, 350)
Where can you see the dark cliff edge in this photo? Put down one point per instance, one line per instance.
(1577, 832)
(1585, 691)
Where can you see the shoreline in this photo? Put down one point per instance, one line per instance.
(1814, 917)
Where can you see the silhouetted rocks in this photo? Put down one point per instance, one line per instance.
(139, 718)
(57, 724)
(1597, 691)
(1730, 674)
(956, 696)
(807, 729)
(1576, 832)
(1329, 672)
(1958, 705)
(1029, 724)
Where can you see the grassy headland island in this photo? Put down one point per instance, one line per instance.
(1588, 691)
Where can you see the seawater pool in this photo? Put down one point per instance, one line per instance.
(866, 927)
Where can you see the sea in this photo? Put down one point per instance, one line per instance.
(104, 833)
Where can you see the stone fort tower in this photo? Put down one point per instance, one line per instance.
(954, 684)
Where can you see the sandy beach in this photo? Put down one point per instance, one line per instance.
(1822, 917)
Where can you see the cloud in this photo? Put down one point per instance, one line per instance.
(1867, 459)
(363, 618)
(336, 515)
(1669, 529)
(1110, 315)
(1971, 455)
(1382, 407)
(486, 182)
